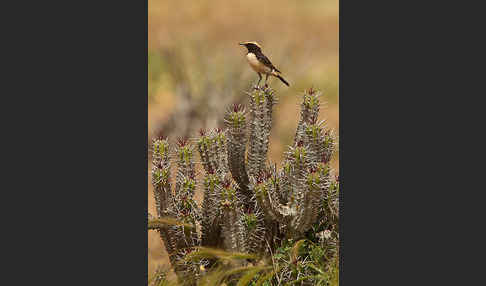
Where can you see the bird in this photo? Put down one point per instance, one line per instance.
(260, 63)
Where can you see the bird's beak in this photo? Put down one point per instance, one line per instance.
(242, 44)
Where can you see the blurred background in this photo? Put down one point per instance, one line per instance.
(196, 68)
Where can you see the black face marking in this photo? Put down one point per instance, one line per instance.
(252, 48)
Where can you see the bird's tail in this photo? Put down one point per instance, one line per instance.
(283, 80)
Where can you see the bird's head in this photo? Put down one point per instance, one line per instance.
(251, 46)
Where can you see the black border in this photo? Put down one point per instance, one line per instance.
(81, 144)
(405, 72)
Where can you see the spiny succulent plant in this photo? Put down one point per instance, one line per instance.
(248, 204)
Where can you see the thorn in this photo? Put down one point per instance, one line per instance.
(263, 176)
(313, 119)
(226, 183)
(210, 170)
(160, 135)
(237, 107)
(181, 141)
(324, 159)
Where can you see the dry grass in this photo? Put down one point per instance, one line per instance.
(300, 37)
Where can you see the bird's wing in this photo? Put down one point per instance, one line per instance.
(262, 58)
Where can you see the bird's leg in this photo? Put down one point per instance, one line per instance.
(266, 78)
(257, 85)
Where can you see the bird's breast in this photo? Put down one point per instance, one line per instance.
(256, 65)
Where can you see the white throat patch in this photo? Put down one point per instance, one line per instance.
(256, 65)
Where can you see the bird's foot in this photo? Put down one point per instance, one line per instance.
(266, 85)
